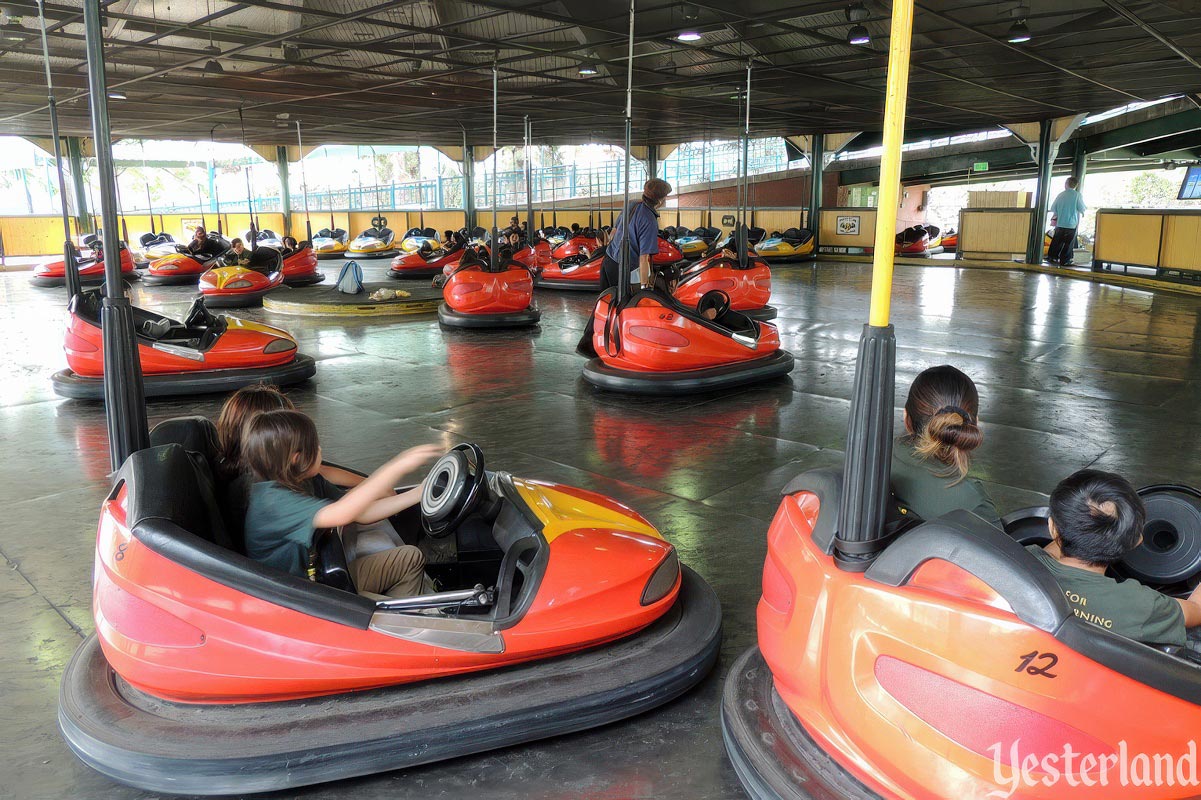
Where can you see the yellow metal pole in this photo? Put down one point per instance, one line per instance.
(890, 160)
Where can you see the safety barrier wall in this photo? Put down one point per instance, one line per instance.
(42, 235)
(846, 230)
(33, 236)
(1160, 239)
(994, 234)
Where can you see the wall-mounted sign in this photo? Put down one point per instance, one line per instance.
(847, 226)
(980, 166)
(728, 219)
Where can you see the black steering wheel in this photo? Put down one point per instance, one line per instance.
(453, 489)
(714, 299)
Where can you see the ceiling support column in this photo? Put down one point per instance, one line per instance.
(468, 169)
(1046, 160)
(817, 163)
(285, 191)
(83, 219)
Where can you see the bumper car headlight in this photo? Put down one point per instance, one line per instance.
(280, 346)
(662, 580)
(238, 284)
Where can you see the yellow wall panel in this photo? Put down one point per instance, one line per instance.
(1128, 238)
(1181, 242)
(835, 235)
(993, 233)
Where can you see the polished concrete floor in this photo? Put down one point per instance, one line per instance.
(1071, 374)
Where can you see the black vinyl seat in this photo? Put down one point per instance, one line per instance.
(172, 508)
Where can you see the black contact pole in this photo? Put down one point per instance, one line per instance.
(217, 203)
(865, 475)
(200, 203)
(149, 202)
(304, 184)
(494, 254)
(529, 181)
(623, 274)
(705, 173)
(420, 191)
(254, 231)
(124, 401)
(742, 239)
(71, 267)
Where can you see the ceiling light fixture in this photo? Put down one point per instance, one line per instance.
(858, 34)
(689, 36)
(213, 68)
(116, 95)
(1018, 33)
(589, 69)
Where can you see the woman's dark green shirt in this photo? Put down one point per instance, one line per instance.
(930, 495)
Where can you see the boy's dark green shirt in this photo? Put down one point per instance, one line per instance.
(929, 495)
(1127, 608)
(279, 526)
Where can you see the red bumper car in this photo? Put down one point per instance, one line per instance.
(584, 242)
(652, 344)
(211, 673)
(950, 664)
(913, 241)
(240, 287)
(748, 285)
(578, 273)
(183, 267)
(428, 262)
(204, 353)
(91, 270)
(477, 294)
(300, 266)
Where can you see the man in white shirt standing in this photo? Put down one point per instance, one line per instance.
(1066, 212)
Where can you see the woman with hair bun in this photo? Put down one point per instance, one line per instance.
(931, 462)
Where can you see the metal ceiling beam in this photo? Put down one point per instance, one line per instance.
(1024, 51)
(1126, 136)
(279, 38)
(1150, 30)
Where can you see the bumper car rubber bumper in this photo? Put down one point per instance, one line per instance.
(773, 755)
(238, 300)
(513, 319)
(305, 280)
(778, 364)
(68, 384)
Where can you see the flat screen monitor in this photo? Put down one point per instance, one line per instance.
(1191, 188)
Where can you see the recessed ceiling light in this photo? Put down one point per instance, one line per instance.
(689, 36)
(1018, 33)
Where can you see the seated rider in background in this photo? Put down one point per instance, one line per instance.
(237, 255)
(290, 245)
(202, 245)
(448, 239)
(930, 463)
(1096, 519)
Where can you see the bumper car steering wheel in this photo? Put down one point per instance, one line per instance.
(453, 490)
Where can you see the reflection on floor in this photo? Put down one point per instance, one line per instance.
(1071, 374)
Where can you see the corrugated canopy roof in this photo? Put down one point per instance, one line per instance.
(354, 71)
